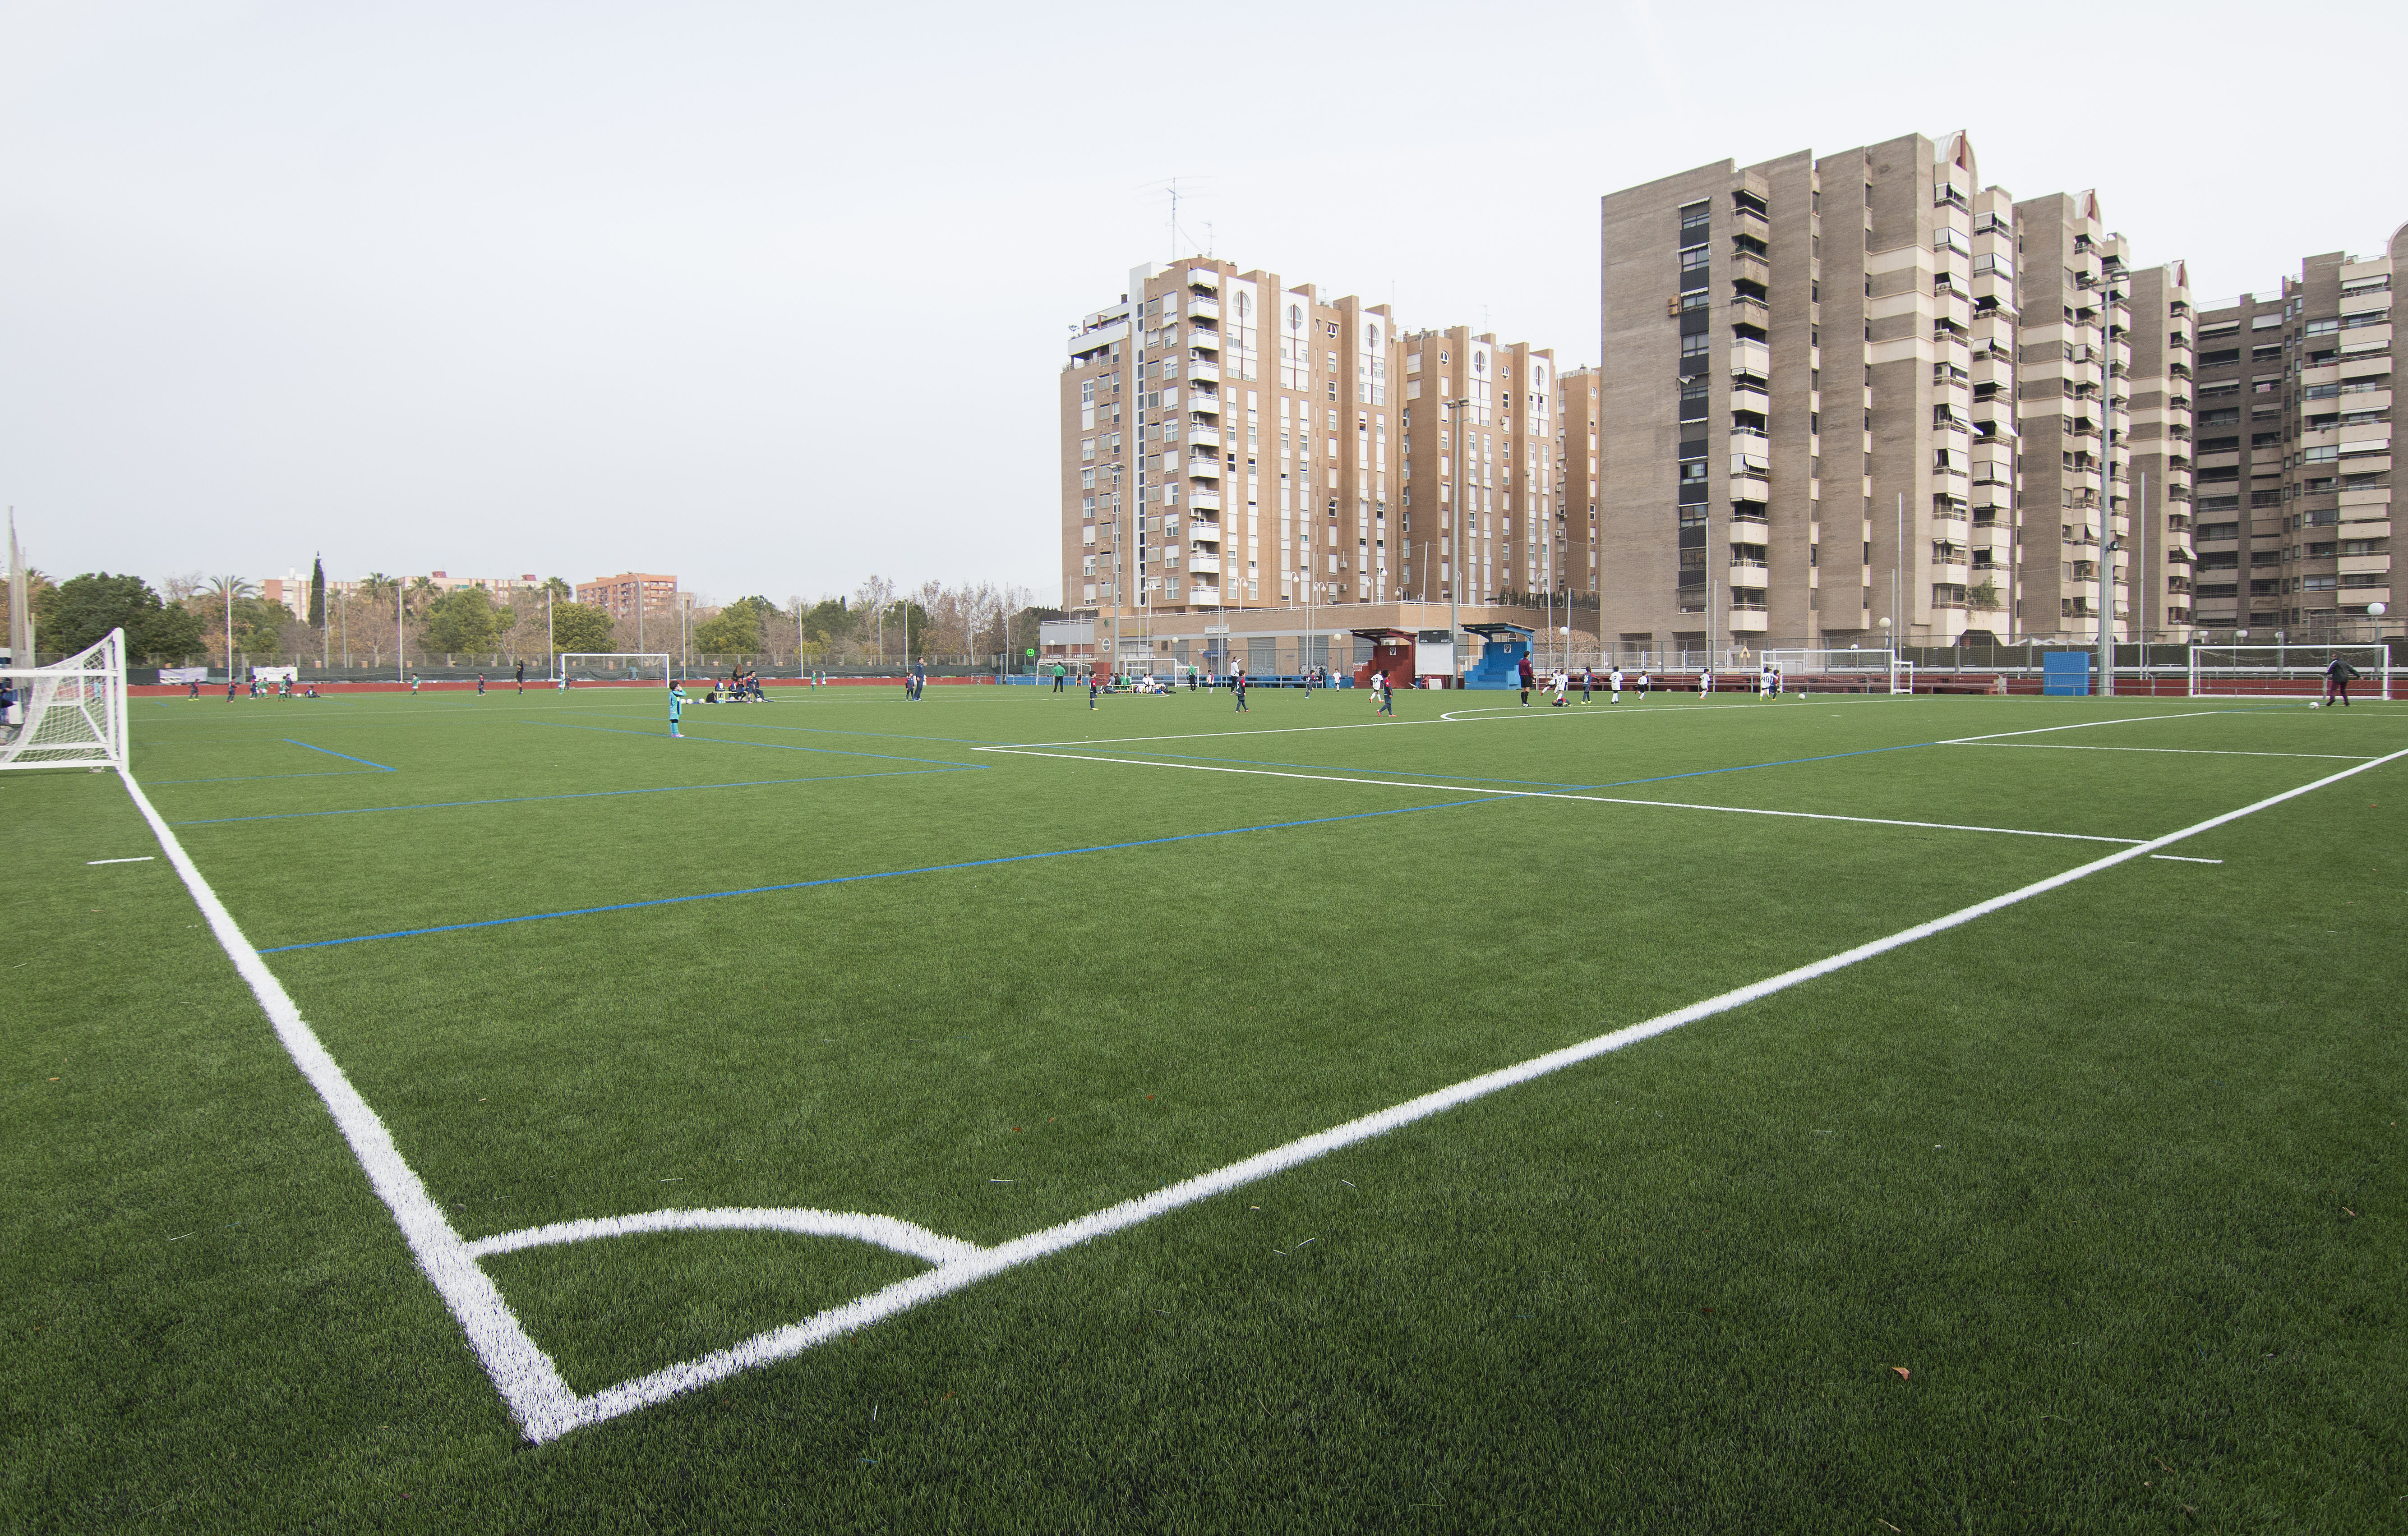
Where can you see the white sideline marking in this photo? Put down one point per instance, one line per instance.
(2183, 751)
(144, 859)
(784, 1343)
(2178, 858)
(547, 1408)
(1450, 718)
(882, 1232)
(1479, 792)
(532, 1387)
(2087, 725)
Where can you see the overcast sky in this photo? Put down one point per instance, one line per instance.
(773, 296)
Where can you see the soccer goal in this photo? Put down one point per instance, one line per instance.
(616, 667)
(70, 714)
(2286, 672)
(1844, 669)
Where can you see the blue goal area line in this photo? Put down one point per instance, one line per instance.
(582, 794)
(767, 745)
(881, 875)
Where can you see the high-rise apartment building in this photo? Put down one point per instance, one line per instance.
(1229, 440)
(1810, 430)
(1479, 423)
(1576, 500)
(621, 594)
(2294, 440)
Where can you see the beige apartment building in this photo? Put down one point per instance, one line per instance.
(2294, 450)
(1576, 499)
(1479, 443)
(1810, 424)
(621, 593)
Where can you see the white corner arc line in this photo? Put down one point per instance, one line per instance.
(531, 1387)
(793, 1339)
(1482, 792)
(882, 1232)
(144, 859)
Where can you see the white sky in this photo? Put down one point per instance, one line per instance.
(774, 297)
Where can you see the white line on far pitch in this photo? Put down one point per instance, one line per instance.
(2087, 725)
(144, 859)
(2184, 751)
(1475, 791)
(2178, 858)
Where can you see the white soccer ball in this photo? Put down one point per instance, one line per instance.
(2315, 703)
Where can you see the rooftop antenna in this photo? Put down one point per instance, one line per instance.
(1208, 238)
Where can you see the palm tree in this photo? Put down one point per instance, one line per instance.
(227, 590)
(557, 589)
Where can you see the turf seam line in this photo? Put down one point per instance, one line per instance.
(345, 756)
(1600, 800)
(876, 875)
(582, 794)
(793, 1339)
(530, 1384)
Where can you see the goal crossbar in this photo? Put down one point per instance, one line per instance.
(70, 714)
(1852, 666)
(2286, 671)
(613, 666)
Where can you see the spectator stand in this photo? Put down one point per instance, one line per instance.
(1392, 654)
(1501, 649)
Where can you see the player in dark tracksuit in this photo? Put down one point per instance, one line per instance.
(1528, 674)
(2338, 675)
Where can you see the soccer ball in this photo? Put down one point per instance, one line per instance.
(2315, 703)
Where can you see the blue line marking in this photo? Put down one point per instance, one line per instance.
(771, 745)
(345, 756)
(881, 875)
(586, 794)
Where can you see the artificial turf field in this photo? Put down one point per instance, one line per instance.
(2082, 1214)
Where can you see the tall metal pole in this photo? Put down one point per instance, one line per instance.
(1454, 559)
(400, 637)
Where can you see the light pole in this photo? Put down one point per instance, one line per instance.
(2107, 615)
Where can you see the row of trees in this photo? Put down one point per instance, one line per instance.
(386, 616)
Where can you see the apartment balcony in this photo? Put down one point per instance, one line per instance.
(1203, 308)
(1748, 531)
(1749, 622)
(1745, 397)
(1749, 488)
(1200, 563)
(2364, 564)
(1203, 277)
(1751, 453)
(1746, 220)
(1205, 467)
(1204, 371)
(1748, 267)
(1750, 573)
(1201, 596)
(1750, 360)
(1955, 573)
(1209, 403)
(1205, 498)
(1204, 437)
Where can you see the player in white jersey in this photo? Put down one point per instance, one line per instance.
(1614, 685)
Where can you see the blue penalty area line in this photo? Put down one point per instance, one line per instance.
(582, 794)
(881, 875)
(771, 745)
(345, 756)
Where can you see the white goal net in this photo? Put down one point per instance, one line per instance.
(70, 714)
(1849, 669)
(648, 667)
(2286, 672)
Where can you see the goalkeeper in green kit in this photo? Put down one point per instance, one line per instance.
(677, 707)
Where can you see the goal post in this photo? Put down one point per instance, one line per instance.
(649, 667)
(2284, 671)
(1853, 669)
(70, 714)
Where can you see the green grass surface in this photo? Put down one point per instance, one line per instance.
(2114, 1173)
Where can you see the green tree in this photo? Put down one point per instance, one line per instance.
(317, 593)
(737, 629)
(85, 608)
(830, 620)
(906, 627)
(579, 627)
(462, 619)
(557, 589)
(1025, 630)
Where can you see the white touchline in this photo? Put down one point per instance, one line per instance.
(1483, 792)
(2179, 751)
(1454, 717)
(146, 859)
(784, 1343)
(2089, 725)
(2179, 858)
(546, 1407)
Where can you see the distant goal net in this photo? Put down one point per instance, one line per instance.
(1842, 670)
(2286, 672)
(70, 714)
(621, 667)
